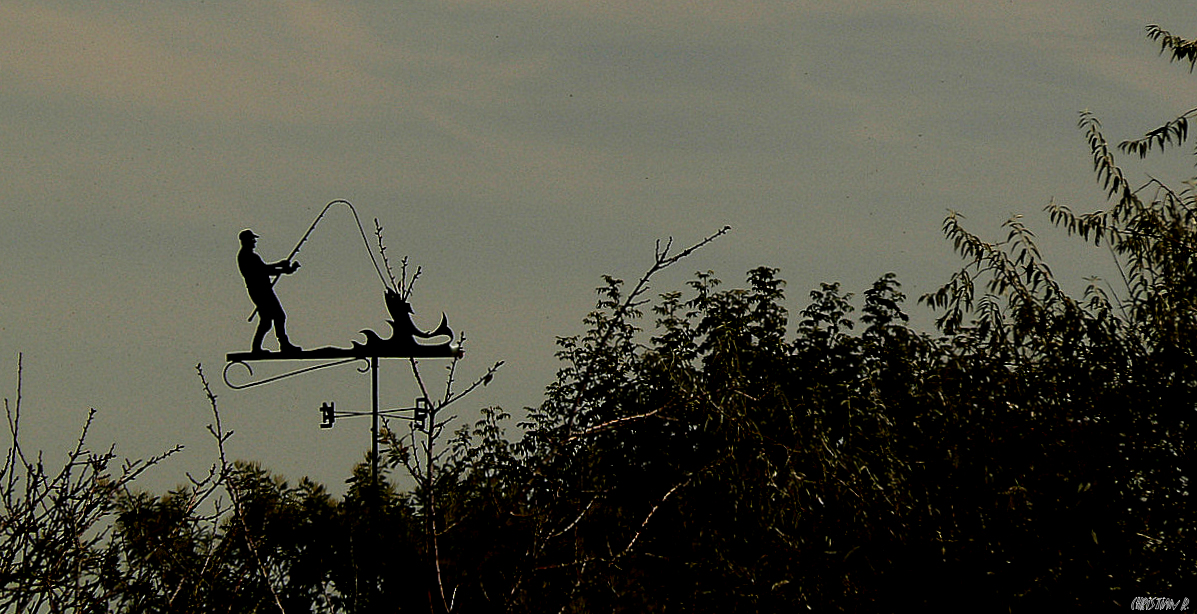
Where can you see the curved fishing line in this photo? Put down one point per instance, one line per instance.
(361, 229)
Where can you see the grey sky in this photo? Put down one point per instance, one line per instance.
(515, 150)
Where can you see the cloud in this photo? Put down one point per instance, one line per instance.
(291, 62)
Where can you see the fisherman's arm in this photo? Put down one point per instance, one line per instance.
(282, 267)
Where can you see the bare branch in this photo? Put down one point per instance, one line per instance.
(228, 480)
(613, 423)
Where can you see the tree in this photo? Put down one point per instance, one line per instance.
(1037, 449)
(55, 549)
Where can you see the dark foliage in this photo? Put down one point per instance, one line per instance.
(1037, 450)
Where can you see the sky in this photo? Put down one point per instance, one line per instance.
(516, 151)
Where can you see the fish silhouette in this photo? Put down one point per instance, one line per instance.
(404, 333)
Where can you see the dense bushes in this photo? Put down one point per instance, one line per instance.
(1037, 449)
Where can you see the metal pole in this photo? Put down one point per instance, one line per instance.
(374, 412)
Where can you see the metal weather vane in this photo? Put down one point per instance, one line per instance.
(406, 339)
(401, 343)
(260, 279)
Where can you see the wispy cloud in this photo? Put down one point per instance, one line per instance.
(289, 62)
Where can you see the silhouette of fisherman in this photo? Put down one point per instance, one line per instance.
(257, 276)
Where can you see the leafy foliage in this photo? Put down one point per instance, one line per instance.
(1037, 449)
(1182, 50)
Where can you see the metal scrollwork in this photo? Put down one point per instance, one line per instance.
(276, 378)
(406, 339)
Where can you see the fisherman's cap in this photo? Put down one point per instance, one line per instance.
(247, 234)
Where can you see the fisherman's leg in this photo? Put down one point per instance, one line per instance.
(260, 334)
(280, 331)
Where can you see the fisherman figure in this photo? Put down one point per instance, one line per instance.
(258, 282)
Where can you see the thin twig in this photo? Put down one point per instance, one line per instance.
(229, 481)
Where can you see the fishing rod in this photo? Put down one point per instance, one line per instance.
(307, 234)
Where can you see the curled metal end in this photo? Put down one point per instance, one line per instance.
(249, 371)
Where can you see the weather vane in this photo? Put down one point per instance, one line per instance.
(405, 340)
